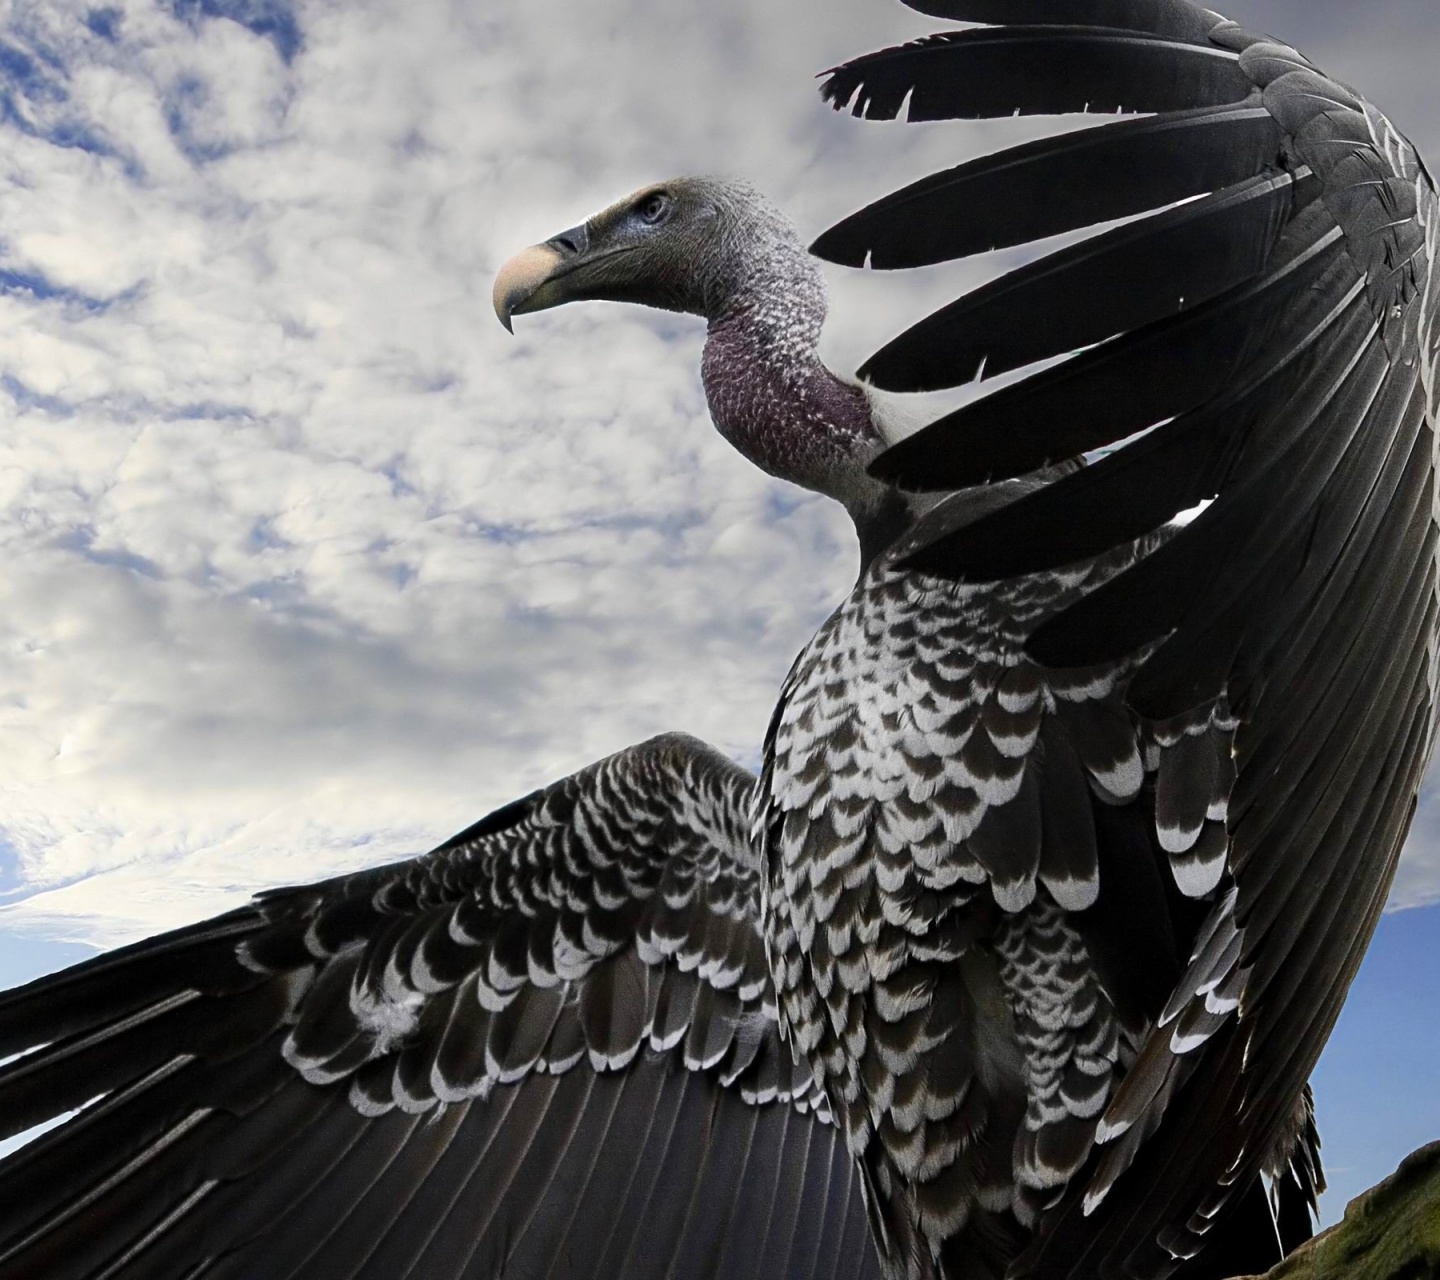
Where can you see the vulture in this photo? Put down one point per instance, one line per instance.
(1074, 819)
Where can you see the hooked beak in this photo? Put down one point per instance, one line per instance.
(531, 280)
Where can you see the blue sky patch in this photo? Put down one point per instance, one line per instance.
(83, 540)
(31, 88)
(28, 398)
(74, 133)
(263, 537)
(188, 97)
(105, 23)
(506, 535)
(208, 411)
(34, 285)
(274, 20)
(68, 133)
(20, 70)
(1375, 1096)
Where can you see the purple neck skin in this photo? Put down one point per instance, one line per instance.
(773, 399)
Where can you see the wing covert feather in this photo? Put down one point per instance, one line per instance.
(550, 1041)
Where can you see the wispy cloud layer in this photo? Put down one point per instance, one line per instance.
(307, 562)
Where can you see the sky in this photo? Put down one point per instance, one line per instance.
(309, 564)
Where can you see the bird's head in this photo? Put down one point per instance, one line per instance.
(716, 248)
(689, 244)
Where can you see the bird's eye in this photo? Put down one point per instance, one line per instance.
(653, 208)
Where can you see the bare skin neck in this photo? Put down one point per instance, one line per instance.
(776, 402)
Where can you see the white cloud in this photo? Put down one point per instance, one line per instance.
(309, 563)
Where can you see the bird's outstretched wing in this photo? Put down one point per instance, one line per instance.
(548, 1048)
(1273, 325)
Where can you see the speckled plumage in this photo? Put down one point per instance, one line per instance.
(925, 844)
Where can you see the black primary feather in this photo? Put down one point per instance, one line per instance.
(1114, 390)
(1174, 19)
(1035, 71)
(1054, 185)
(1133, 275)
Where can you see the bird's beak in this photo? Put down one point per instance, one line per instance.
(532, 279)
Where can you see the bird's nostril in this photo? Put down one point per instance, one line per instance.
(571, 242)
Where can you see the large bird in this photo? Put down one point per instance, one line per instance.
(1074, 819)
